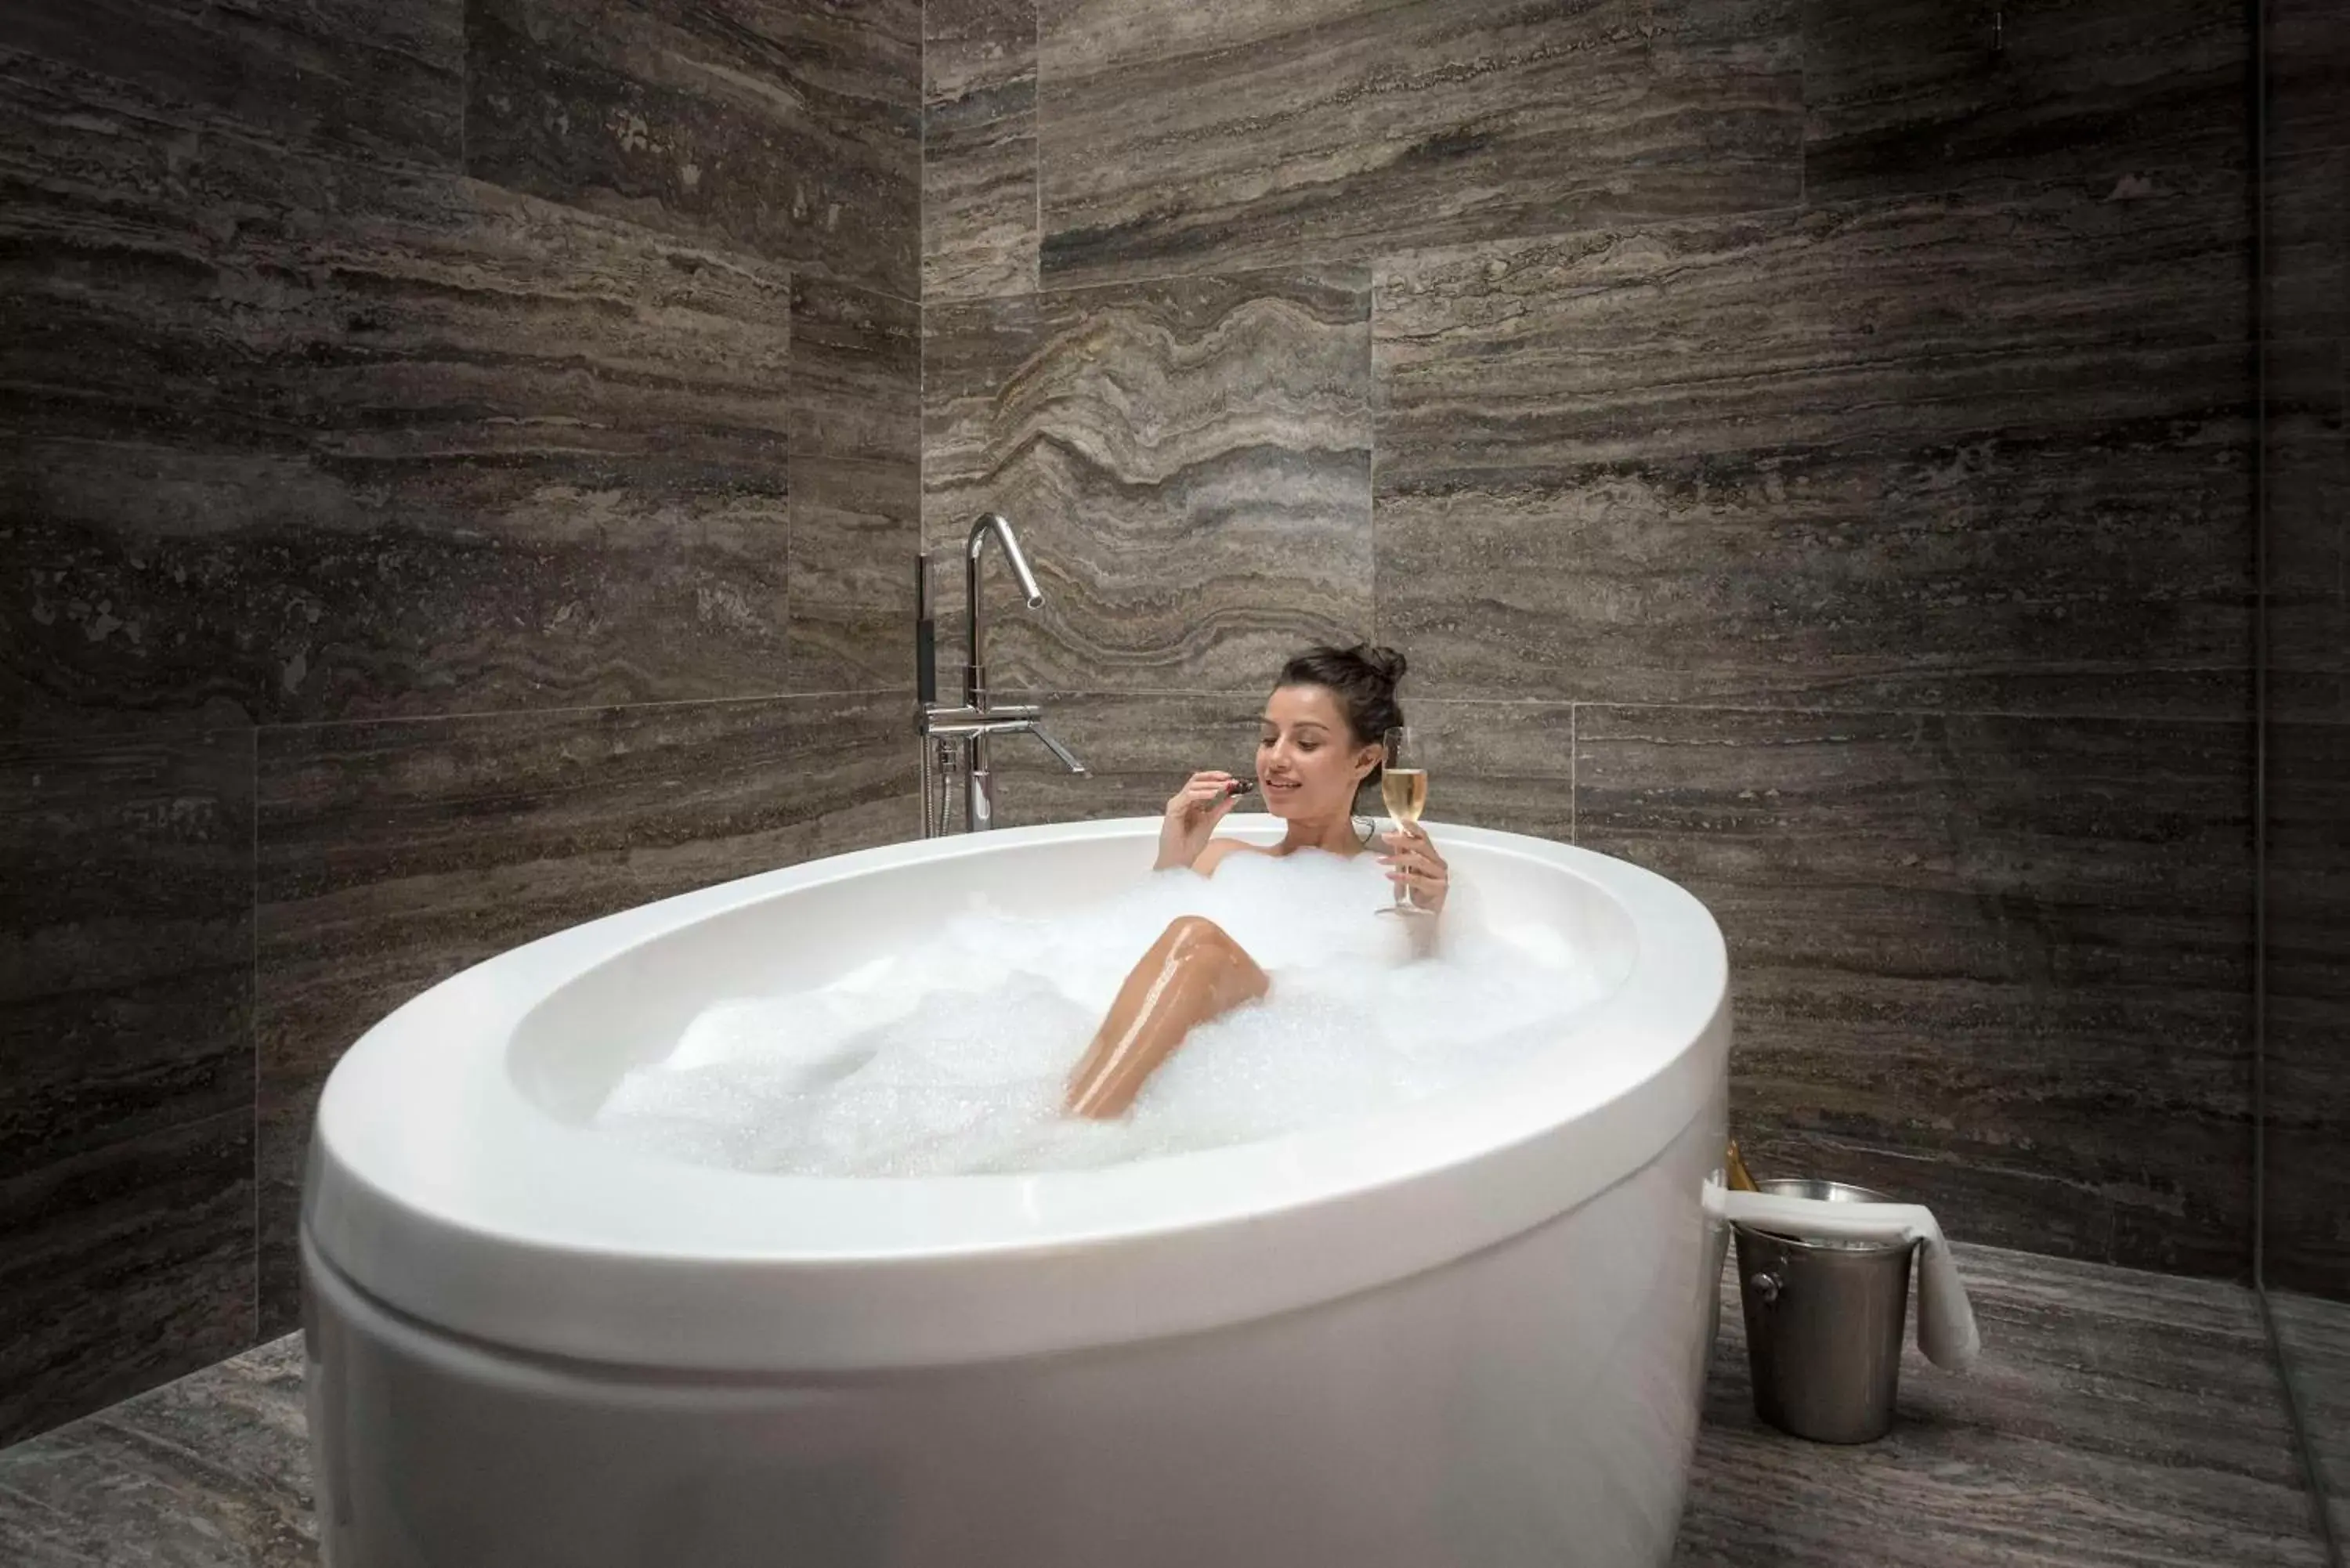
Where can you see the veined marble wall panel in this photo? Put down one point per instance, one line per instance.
(382, 80)
(291, 438)
(1903, 97)
(1941, 453)
(299, 425)
(1182, 137)
(855, 413)
(1188, 462)
(978, 148)
(126, 1067)
(2306, 185)
(2309, 51)
(2001, 965)
(788, 130)
(2308, 1064)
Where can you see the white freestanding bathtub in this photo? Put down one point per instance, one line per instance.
(1471, 1331)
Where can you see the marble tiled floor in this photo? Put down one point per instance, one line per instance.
(2116, 1417)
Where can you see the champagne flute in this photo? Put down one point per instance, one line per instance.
(1403, 786)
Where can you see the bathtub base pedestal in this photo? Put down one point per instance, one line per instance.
(1534, 1402)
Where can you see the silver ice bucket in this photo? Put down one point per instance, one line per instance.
(1823, 1322)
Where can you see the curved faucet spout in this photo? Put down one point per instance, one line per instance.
(974, 669)
(977, 719)
(1000, 525)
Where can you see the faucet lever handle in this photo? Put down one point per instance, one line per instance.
(1068, 758)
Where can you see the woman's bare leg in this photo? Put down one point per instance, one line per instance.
(1192, 972)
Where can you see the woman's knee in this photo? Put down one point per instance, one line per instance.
(1197, 931)
(1196, 945)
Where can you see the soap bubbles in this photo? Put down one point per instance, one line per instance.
(950, 1057)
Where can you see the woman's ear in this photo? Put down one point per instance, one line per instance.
(1366, 759)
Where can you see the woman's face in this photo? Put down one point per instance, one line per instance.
(1307, 762)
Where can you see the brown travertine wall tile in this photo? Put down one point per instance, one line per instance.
(2001, 965)
(124, 1265)
(126, 1067)
(2307, 286)
(128, 878)
(1176, 137)
(2309, 51)
(857, 487)
(378, 79)
(291, 439)
(1188, 462)
(393, 854)
(2305, 172)
(788, 130)
(2308, 959)
(1944, 453)
(1509, 765)
(2308, 524)
(300, 423)
(978, 148)
(2306, 265)
(1908, 96)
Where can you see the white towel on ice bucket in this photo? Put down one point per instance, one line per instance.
(1946, 1319)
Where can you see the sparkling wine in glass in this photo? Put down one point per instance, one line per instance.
(1403, 786)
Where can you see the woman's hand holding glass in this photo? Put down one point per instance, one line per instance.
(1193, 812)
(1417, 871)
(1416, 868)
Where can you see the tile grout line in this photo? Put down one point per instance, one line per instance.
(1371, 423)
(922, 170)
(1369, 258)
(1311, 269)
(2256, 304)
(1035, 144)
(253, 1007)
(70, 744)
(792, 426)
(478, 714)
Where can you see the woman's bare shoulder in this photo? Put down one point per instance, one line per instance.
(1221, 850)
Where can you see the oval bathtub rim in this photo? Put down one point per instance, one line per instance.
(700, 904)
(992, 1265)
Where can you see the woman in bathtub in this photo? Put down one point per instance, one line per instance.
(1322, 742)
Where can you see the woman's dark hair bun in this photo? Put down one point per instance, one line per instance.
(1387, 663)
(1362, 678)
